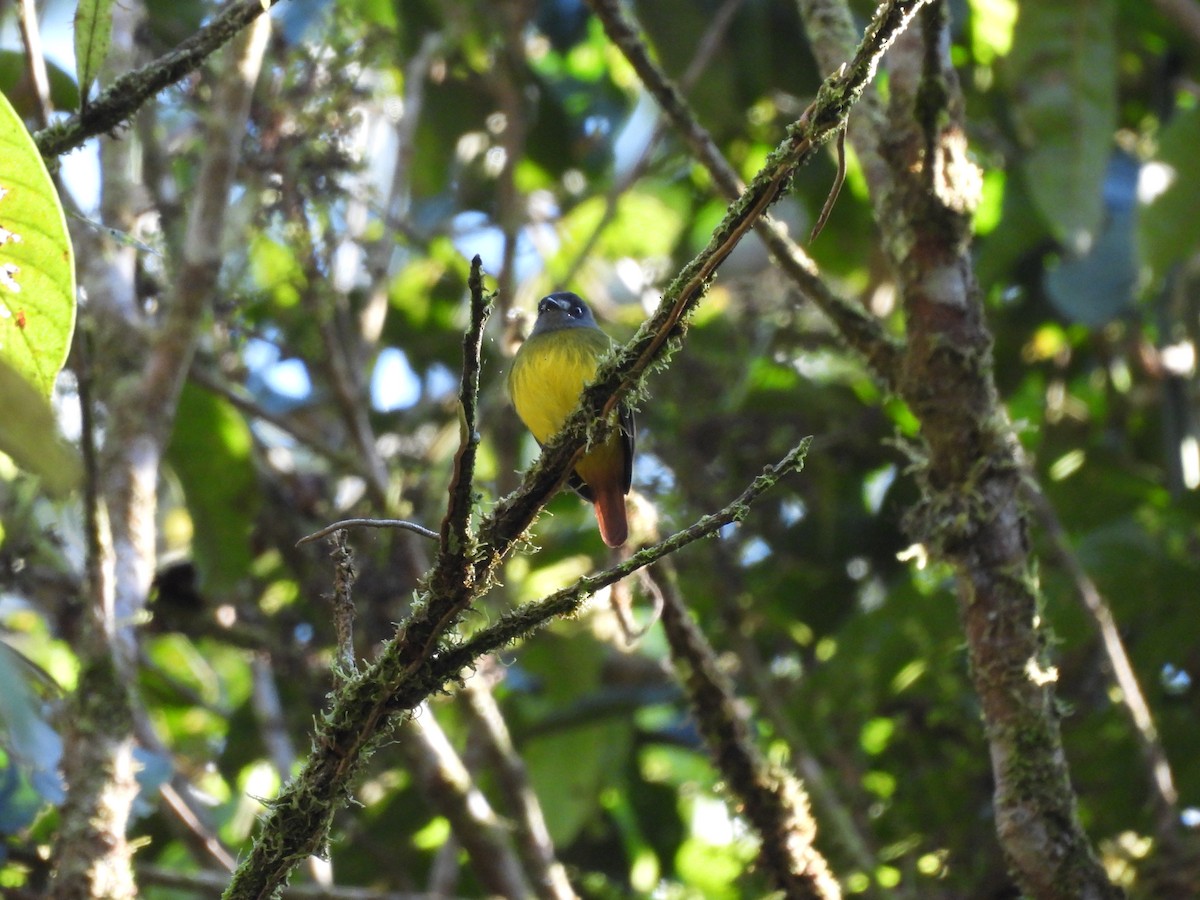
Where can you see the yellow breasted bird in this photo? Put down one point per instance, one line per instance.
(548, 374)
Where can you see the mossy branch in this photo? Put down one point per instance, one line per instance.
(971, 513)
(366, 704)
(621, 374)
(125, 95)
(861, 331)
(769, 797)
(416, 663)
(456, 540)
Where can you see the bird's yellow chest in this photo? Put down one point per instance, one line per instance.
(548, 376)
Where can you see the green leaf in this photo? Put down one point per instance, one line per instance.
(37, 269)
(570, 769)
(1097, 287)
(29, 435)
(15, 85)
(211, 453)
(1168, 228)
(27, 736)
(93, 34)
(1063, 77)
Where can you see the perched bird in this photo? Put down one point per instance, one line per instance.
(548, 374)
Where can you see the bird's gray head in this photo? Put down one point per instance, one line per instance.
(562, 310)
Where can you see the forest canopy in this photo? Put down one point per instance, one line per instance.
(903, 301)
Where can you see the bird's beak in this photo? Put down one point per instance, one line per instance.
(549, 303)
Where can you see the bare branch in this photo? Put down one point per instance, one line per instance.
(1163, 793)
(453, 792)
(31, 37)
(369, 523)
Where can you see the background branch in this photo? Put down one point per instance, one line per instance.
(774, 803)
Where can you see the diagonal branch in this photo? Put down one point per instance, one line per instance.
(123, 97)
(773, 801)
(400, 677)
(858, 329)
(705, 50)
(367, 703)
(623, 372)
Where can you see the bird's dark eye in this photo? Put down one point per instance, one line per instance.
(575, 311)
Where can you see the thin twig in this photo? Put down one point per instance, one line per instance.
(343, 604)
(199, 830)
(1164, 795)
(520, 622)
(240, 399)
(369, 523)
(838, 180)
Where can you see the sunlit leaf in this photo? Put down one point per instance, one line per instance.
(37, 269)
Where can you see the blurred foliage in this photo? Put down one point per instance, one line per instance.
(1083, 118)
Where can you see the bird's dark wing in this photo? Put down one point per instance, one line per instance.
(628, 442)
(629, 439)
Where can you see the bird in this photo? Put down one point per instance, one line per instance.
(548, 374)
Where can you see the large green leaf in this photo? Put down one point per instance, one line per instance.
(29, 435)
(211, 453)
(93, 34)
(1063, 78)
(15, 84)
(1097, 287)
(30, 742)
(1168, 229)
(570, 769)
(37, 270)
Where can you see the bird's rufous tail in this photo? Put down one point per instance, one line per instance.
(610, 514)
